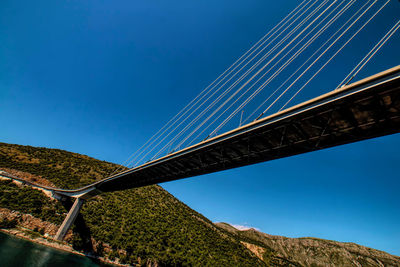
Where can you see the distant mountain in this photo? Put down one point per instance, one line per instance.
(283, 251)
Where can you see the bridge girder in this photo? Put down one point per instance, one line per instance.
(367, 110)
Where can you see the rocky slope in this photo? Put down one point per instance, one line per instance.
(279, 250)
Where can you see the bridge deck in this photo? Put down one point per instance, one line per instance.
(363, 110)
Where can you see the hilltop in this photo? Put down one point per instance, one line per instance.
(308, 251)
(148, 226)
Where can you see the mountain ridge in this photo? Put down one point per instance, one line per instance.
(311, 251)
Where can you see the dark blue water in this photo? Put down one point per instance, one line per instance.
(19, 252)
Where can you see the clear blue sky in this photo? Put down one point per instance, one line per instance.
(100, 77)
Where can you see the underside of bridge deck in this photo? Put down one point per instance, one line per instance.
(335, 120)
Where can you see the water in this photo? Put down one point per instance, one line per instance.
(19, 252)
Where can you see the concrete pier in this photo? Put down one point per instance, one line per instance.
(69, 220)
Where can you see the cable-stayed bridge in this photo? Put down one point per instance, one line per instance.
(285, 61)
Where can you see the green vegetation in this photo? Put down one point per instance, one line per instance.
(161, 228)
(62, 168)
(7, 224)
(30, 201)
(144, 225)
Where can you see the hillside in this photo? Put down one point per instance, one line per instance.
(148, 226)
(145, 226)
(279, 250)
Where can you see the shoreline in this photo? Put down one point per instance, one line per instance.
(19, 233)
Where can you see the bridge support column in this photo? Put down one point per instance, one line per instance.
(69, 220)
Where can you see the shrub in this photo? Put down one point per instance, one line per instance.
(7, 224)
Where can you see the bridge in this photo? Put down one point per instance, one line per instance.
(362, 110)
(366, 109)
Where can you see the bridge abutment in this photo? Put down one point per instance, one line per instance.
(69, 220)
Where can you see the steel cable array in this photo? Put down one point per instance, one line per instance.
(295, 13)
(312, 27)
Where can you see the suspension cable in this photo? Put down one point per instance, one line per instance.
(334, 42)
(298, 69)
(223, 84)
(274, 75)
(348, 41)
(225, 74)
(371, 53)
(227, 90)
(258, 72)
